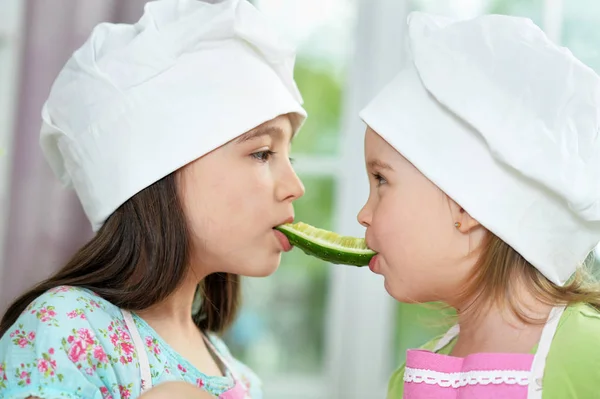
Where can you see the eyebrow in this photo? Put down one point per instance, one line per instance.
(259, 132)
(379, 165)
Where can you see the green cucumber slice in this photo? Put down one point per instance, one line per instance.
(327, 245)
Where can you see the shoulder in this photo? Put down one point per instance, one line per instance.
(60, 311)
(68, 340)
(248, 377)
(578, 330)
(582, 314)
(573, 363)
(68, 303)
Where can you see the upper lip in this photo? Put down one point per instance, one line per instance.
(368, 245)
(290, 219)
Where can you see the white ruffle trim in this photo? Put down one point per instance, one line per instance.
(457, 380)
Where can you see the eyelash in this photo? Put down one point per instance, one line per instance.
(263, 156)
(379, 179)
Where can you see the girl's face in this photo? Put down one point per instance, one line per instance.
(410, 222)
(234, 196)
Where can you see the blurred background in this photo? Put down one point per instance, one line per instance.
(312, 330)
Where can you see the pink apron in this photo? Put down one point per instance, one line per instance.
(237, 392)
(481, 375)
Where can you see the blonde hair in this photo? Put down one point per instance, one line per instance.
(500, 267)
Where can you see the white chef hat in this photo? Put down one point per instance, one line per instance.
(507, 124)
(137, 102)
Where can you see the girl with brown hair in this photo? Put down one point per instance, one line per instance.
(175, 133)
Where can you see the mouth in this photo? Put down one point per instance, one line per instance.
(288, 220)
(373, 264)
(286, 246)
(368, 244)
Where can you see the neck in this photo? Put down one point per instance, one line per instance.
(493, 327)
(176, 309)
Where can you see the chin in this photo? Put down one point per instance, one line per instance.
(387, 288)
(262, 272)
(396, 293)
(262, 269)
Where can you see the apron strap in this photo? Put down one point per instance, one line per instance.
(449, 336)
(239, 390)
(534, 391)
(140, 350)
(221, 358)
(146, 375)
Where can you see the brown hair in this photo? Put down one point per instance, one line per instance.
(500, 266)
(138, 258)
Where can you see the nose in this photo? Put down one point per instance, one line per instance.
(364, 216)
(290, 187)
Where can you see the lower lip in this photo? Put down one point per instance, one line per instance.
(373, 264)
(283, 240)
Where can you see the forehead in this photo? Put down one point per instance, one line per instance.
(380, 154)
(278, 128)
(375, 145)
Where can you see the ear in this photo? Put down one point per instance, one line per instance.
(463, 222)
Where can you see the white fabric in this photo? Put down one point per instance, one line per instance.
(137, 102)
(539, 361)
(449, 336)
(536, 375)
(140, 350)
(458, 380)
(506, 123)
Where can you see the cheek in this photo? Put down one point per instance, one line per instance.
(246, 200)
(226, 212)
(397, 220)
(410, 227)
(387, 223)
(235, 197)
(415, 241)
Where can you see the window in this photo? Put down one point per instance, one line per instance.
(281, 330)
(580, 31)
